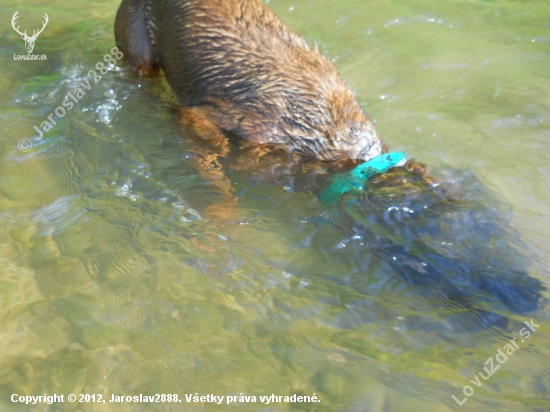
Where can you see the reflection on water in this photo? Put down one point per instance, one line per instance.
(125, 270)
(454, 249)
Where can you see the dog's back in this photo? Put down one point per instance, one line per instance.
(237, 65)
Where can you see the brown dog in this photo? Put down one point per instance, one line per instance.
(236, 68)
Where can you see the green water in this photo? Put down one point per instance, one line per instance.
(113, 281)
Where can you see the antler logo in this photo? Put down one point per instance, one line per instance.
(29, 40)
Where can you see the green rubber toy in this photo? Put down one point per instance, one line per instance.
(355, 179)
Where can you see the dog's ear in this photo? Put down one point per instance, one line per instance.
(132, 37)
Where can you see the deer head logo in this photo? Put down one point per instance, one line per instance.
(29, 40)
